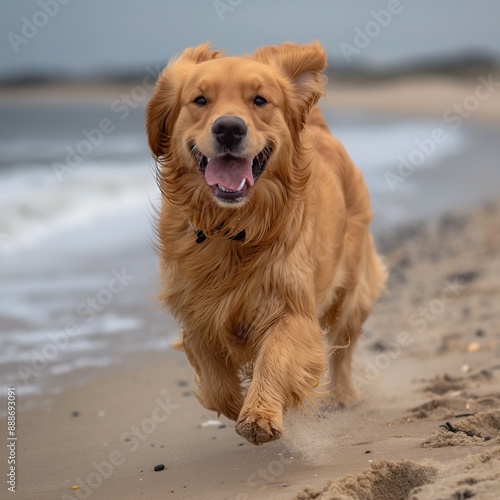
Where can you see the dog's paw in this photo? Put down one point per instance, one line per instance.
(257, 429)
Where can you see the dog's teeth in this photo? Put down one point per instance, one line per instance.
(222, 188)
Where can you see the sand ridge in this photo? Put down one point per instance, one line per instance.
(476, 476)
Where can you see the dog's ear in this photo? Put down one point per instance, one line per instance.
(303, 66)
(164, 105)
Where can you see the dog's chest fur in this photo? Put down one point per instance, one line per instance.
(214, 290)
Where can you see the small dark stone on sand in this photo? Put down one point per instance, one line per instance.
(465, 277)
(241, 444)
(182, 383)
(186, 394)
(152, 445)
(75, 413)
(487, 438)
(126, 440)
(379, 346)
(159, 468)
(368, 451)
(222, 426)
(404, 262)
(480, 333)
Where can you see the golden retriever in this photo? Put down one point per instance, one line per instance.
(264, 241)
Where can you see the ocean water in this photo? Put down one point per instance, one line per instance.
(77, 269)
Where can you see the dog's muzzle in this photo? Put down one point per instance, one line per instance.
(231, 176)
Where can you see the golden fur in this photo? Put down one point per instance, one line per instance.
(255, 313)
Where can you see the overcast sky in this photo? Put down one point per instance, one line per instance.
(94, 35)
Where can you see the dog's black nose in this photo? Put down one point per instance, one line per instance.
(229, 130)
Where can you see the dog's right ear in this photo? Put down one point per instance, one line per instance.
(164, 105)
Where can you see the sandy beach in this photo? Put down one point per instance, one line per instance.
(427, 424)
(431, 352)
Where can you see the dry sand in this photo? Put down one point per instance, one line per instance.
(430, 358)
(420, 96)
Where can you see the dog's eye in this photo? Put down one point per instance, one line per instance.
(259, 101)
(200, 100)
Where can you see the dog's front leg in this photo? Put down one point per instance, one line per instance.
(289, 364)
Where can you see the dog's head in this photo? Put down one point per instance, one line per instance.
(223, 127)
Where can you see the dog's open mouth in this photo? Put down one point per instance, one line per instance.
(231, 176)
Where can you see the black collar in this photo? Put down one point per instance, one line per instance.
(201, 236)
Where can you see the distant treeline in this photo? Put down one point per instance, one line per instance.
(462, 66)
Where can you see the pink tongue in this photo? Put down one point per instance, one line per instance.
(229, 173)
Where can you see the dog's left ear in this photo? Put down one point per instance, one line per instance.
(303, 66)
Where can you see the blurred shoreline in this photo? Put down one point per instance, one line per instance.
(431, 93)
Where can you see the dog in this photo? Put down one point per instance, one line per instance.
(266, 257)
